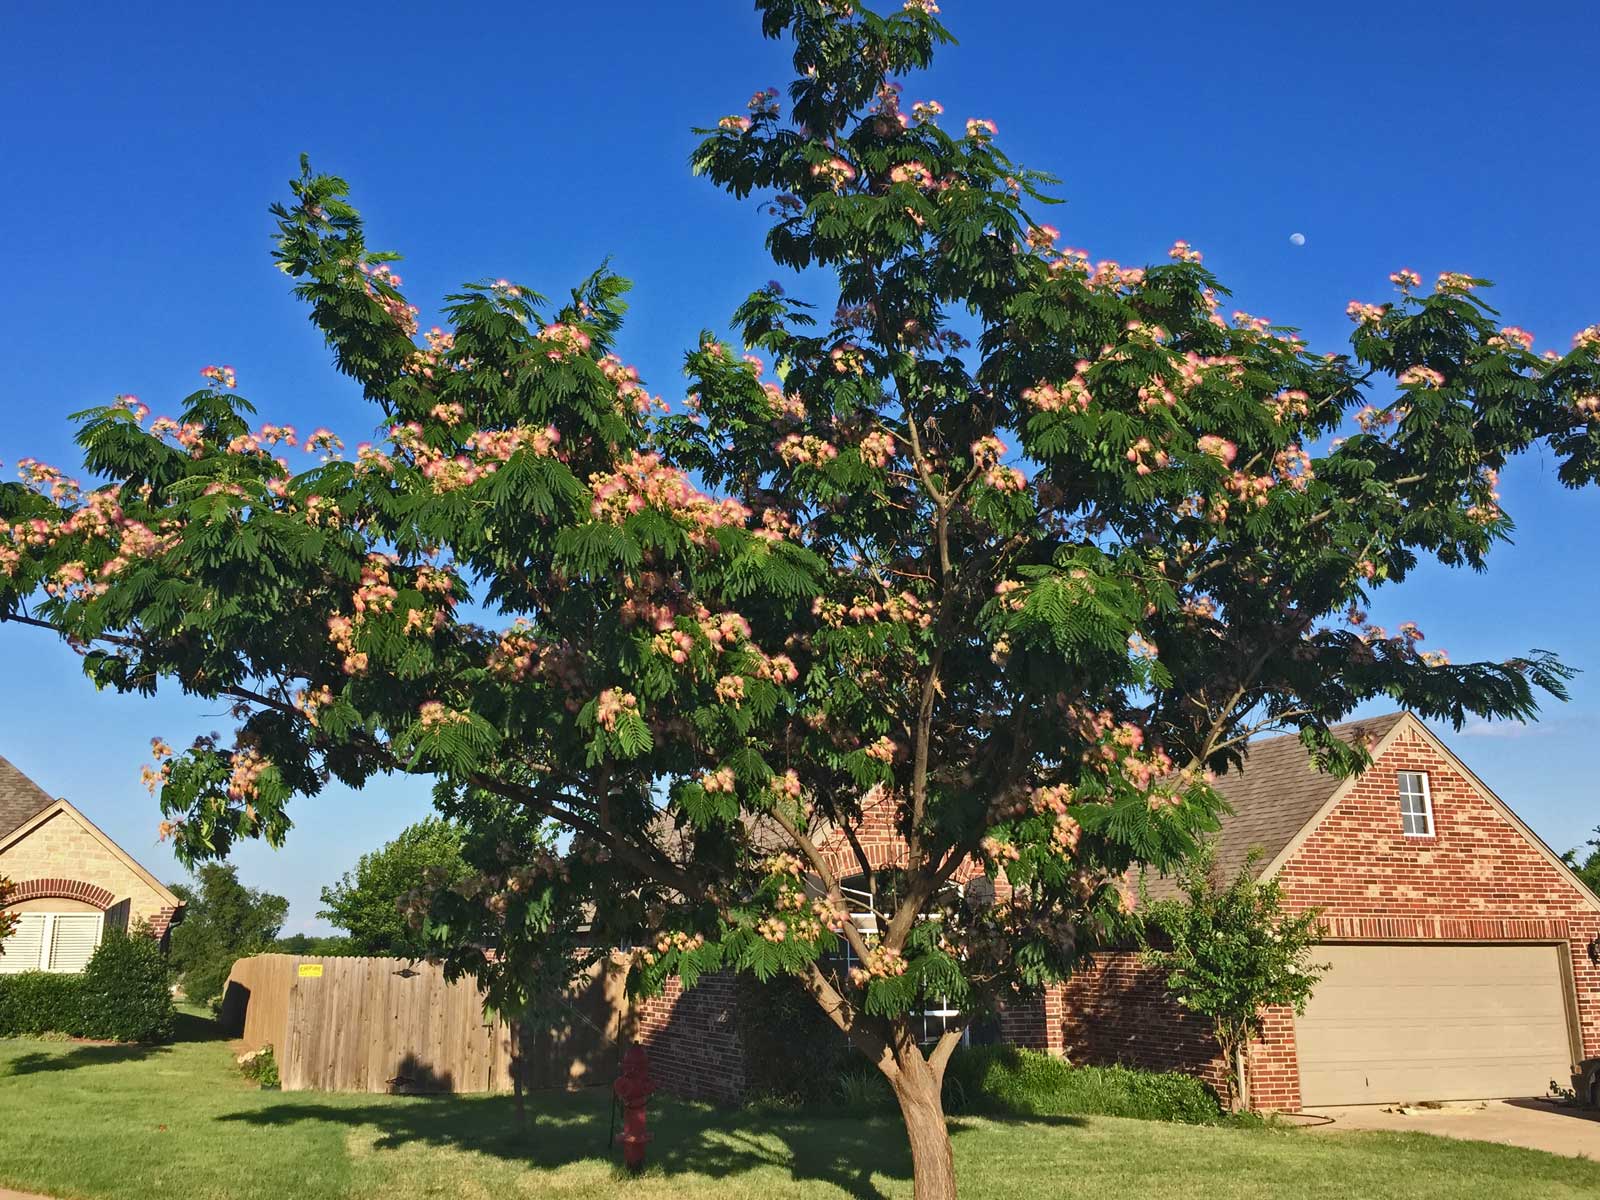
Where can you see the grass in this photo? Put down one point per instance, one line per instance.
(180, 1123)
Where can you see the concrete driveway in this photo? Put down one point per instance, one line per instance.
(1536, 1124)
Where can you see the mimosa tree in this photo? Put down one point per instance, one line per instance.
(1022, 542)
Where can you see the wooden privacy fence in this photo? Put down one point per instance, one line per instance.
(388, 1025)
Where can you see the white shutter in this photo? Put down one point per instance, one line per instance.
(20, 951)
(73, 940)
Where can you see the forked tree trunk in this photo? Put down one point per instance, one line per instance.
(918, 1087)
(918, 1084)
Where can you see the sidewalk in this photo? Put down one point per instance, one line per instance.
(1531, 1123)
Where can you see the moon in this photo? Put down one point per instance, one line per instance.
(1297, 239)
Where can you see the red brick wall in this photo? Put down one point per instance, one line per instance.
(879, 837)
(880, 840)
(1477, 879)
(1027, 1024)
(161, 925)
(692, 1037)
(1117, 1010)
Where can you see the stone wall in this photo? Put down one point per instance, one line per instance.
(62, 858)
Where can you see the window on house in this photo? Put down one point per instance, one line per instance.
(1416, 804)
(862, 894)
(51, 942)
(938, 1018)
(861, 898)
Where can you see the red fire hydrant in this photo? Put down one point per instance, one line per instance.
(632, 1089)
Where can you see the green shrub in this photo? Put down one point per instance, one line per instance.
(262, 1066)
(127, 991)
(1007, 1081)
(863, 1089)
(123, 995)
(793, 1054)
(37, 1002)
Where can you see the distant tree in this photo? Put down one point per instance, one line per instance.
(225, 921)
(305, 943)
(366, 901)
(1233, 952)
(1588, 868)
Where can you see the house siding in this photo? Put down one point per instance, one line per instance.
(1478, 878)
(60, 858)
(1117, 1010)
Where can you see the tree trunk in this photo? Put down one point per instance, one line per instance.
(516, 1071)
(917, 1086)
(1232, 1044)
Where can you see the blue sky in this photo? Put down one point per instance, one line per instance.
(144, 143)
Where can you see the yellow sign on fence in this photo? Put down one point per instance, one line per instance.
(310, 970)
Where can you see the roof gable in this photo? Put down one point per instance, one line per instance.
(1275, 809)
(1274, 798)
(63, 809)
(20, 798)
(1280, 790)
(1487, 794)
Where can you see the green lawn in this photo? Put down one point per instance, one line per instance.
(179, 1123)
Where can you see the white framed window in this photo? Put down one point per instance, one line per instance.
(862, 898)
(46, 941)
(22, 950)
(1416, 804)
(939, 1018)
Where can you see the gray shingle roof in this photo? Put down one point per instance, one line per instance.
(1278, 791)
(20, 798)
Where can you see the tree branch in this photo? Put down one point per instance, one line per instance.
(830, 880)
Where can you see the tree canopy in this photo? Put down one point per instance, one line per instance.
(1585, 861)
(366, 902)
(313, 945)
(223, 921)
(1017, 541)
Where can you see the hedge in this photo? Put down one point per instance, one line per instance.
(123, 995)
(1010, 1081)
(1016, 1082)
(36, 1002)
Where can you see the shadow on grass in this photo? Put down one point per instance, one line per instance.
(82, 1055)
(72, 1055)
(844, 1151)
(193, 1027)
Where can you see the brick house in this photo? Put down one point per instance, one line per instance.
(1464, 955)
(72, 881)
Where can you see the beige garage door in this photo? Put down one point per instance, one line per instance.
(1440, 1022)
